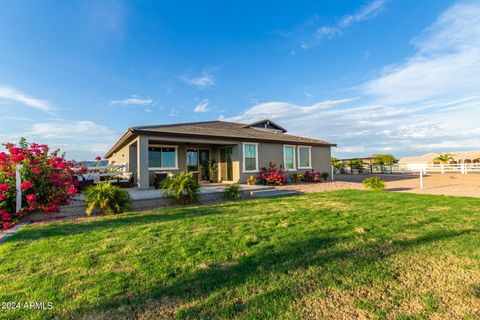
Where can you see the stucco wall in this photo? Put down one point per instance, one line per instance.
(321, 158)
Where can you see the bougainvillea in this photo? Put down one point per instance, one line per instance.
(271, 176)
(47, 180)
(312, 176)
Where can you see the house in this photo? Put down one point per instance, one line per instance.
(239, 149)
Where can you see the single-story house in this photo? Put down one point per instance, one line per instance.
(239, 149)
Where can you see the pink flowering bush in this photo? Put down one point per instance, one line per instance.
(271, 176)
(312, 176)
(47, 181)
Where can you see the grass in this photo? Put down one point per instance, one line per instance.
(337, 255)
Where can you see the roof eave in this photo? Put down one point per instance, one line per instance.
(186, 135)
(122, 139)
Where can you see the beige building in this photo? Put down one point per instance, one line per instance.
(240, 150)
(431, 158)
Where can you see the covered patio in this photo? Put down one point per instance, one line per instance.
(148, 156)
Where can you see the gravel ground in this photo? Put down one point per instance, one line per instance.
(446, 184)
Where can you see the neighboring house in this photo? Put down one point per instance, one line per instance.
(239, 149)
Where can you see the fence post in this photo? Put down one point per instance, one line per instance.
(18, 182)
(333, 171)
(421, 179)
(443, 168)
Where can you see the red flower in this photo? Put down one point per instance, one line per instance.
(31, 198)
(2, 197)
(6, 217)
(15, 151)
(4, 187)
(98, 158)
(25, 185)
(36, 170)
(18, 158)
(72, 190)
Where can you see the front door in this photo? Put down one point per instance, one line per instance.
(227, 164)
(197, 161)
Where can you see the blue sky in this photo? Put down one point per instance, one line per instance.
(398, 76)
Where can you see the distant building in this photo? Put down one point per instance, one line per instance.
(431, 158)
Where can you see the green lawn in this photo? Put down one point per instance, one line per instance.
(337, 255)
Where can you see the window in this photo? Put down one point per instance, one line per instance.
(304, 157)
(162, 157)
(289, 157)
(250, 157)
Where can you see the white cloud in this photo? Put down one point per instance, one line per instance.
(367, 12)
(12, 94)
(71, 130)
(447, 62)
(133, 100)
(329, 31)
(202, 106)
(204, 80)
(80, 140)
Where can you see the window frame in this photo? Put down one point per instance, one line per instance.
(161, 146)
(309, 157)
(285, 159)
(256, 157)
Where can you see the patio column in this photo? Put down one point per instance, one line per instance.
(142, 162)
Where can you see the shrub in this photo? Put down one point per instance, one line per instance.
(312, 176)
(232, 192)
(325, 175)
(108, 198)
(47, 180)
(297, 177)
(272, 176)
(183, 187)
(374, 183)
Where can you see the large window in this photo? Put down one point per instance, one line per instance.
(250, 157)
(289, 157)
(304, 157)
(162, 157)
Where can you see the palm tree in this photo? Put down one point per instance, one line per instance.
(444, 158)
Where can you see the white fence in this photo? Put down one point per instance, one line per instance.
(462, 168)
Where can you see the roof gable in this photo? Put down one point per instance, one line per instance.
(265, 124)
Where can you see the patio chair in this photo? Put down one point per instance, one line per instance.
(84, 181)
(158, 178)
(124, 181)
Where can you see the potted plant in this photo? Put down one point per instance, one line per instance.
(212, 166)
(251, 181)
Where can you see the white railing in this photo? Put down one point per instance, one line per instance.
(462, 168)
(95, 172)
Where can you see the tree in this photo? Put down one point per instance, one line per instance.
(384, 159)
(444, 158)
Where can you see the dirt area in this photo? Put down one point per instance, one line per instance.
(439, 184)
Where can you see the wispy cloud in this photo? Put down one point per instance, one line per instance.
(202, 81)
(447, 62)
(12, 94)
(430, 102)
(367, 12)
(202, 106)
(133, 100)
(326, 31)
